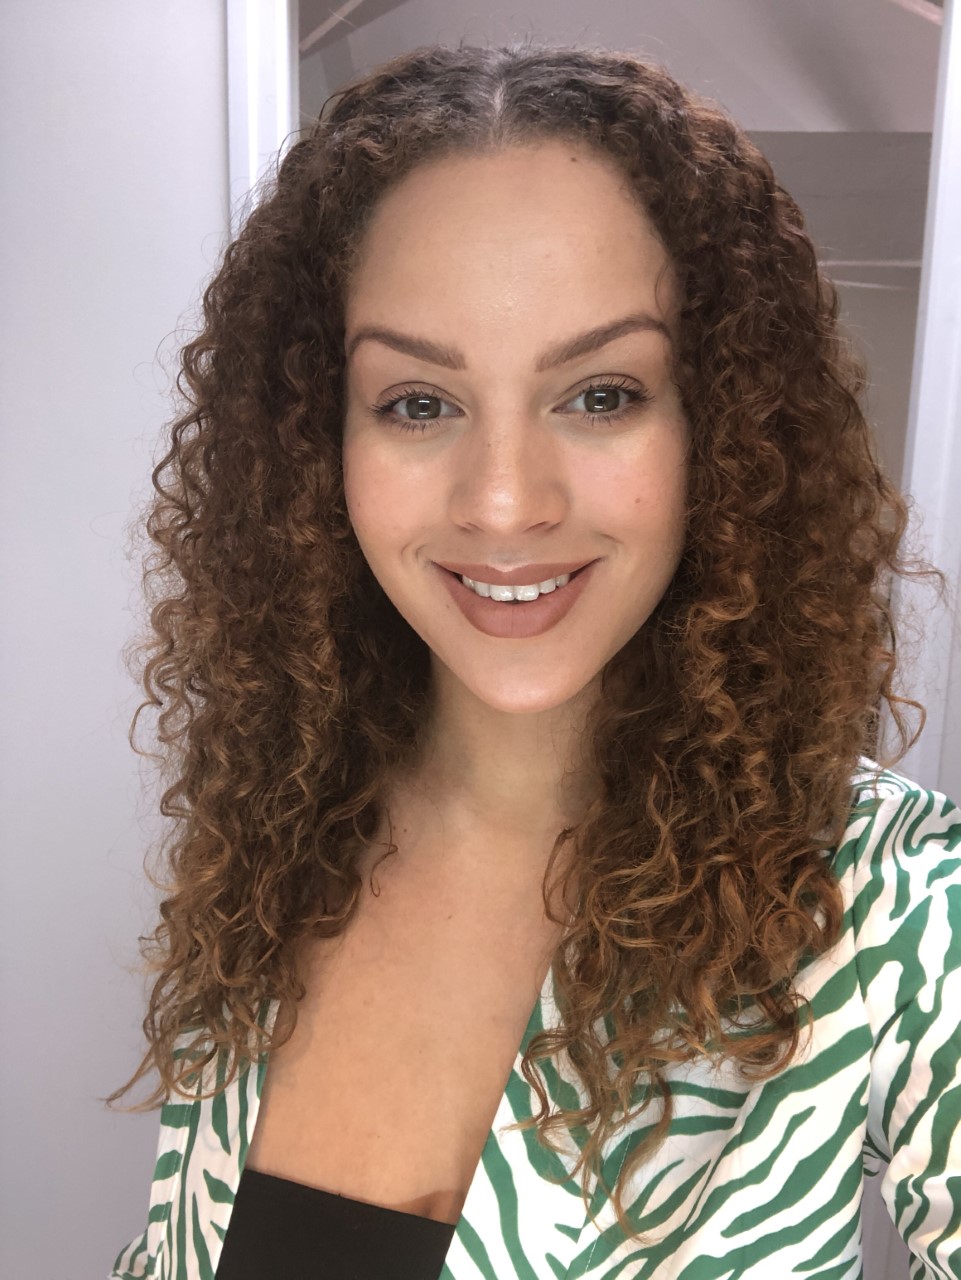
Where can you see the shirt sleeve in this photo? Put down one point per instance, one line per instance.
(142, 1257)
(149, 1254)
(200, 1150)
(907, 910)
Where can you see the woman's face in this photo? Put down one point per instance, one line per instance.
(523, 329)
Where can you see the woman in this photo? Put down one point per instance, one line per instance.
(659, 957)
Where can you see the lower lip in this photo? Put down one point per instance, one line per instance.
(517, 621)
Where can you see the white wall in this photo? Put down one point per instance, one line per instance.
(113, 201)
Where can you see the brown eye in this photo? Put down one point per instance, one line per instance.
(610, 401)
(413, 406)
(421, 406)
(602, 399)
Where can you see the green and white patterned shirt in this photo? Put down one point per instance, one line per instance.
(754, 1181)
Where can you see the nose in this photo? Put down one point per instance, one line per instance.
(509, 474)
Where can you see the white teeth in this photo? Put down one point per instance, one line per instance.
(496, 592)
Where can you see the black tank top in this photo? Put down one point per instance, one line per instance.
(286, 1229)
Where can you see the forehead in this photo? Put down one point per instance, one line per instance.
(523, 233)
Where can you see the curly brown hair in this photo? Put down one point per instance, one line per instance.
(727, 729)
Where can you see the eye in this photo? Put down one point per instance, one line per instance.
(420, 409)
(611, 399)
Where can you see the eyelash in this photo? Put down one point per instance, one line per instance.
(636, 398)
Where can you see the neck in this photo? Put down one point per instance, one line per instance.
(503, 777)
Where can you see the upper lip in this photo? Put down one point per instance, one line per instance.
(523, 575)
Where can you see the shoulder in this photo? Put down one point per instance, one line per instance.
(901, 839)
(201, 1149)
(899, 866)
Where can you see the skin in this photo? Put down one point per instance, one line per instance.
(503, 256)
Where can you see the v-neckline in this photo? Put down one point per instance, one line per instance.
(498, 1205)
(535, 1022)
(479, 1216)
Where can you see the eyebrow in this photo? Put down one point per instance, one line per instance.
(561, 353)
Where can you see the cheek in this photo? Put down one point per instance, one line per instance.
(381, 502)
(364, 482)
(644, 497)
(360, 496)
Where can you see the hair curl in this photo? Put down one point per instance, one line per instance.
(728, 727)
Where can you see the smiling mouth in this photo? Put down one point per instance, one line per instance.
(521, 619)
(573, 574)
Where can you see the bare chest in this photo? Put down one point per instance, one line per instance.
(404, 1044)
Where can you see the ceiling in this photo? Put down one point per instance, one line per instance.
(847, 66)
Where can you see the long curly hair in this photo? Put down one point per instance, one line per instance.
(726, 731)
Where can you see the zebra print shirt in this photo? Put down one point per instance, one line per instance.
(755, 1180)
